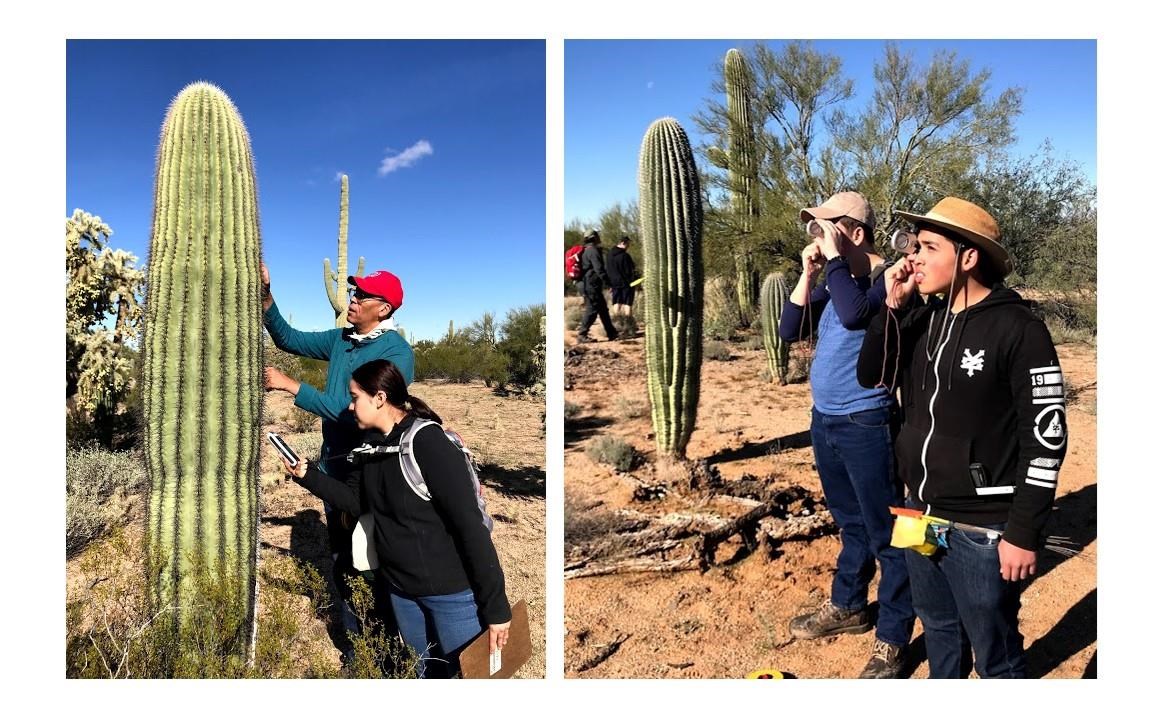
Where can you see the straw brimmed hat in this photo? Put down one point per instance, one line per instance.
(972, 222)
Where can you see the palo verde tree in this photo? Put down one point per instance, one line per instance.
(924, 131)
(103, 285)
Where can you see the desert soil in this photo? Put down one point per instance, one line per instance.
(504, 433)
(732, 619)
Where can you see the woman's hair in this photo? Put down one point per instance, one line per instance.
(382, 375)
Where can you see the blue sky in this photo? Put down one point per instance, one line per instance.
(614, 89)
(443, 143)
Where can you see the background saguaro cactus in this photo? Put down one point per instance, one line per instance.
(671, 213)
(203, 360)
(771, 298)
(336, 283)
(743, 171)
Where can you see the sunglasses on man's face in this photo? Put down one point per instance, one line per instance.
(359, 295)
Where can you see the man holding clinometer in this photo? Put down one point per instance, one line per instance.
(371, 335)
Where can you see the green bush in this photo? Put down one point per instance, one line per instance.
(99, 484)
(614, 451)
(519, 337)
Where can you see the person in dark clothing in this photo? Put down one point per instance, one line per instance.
(852, 427)
(592, 285)
(983, 437)
(437, 563)
(621, 273)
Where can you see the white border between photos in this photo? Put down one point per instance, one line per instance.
(33, 185)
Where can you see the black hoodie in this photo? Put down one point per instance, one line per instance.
(982, 386)
(425, 548)
(620, 267)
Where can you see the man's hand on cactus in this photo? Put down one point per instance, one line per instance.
(266, 286)
(276, 380)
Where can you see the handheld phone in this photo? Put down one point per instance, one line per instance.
(282, 447)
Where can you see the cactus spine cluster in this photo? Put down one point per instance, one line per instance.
(203, 356)
(743, 171)
(336, 283)
(772, 296)
(671, 214)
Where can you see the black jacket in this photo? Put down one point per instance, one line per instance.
(620, 267)
(991, 393)
(594, 276)
(425, 548)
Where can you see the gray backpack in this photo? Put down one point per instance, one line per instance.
(363, 549)
(415, 477)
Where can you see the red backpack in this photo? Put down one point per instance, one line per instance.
(573, 265)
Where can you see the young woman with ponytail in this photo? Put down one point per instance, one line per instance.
(438, 566)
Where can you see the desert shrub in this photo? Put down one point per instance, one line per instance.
(375, 654)
(716, 350)
(115, 631)
(1069, 316)
(99, 483)
(573, 312)
(307, 370)
(614, 451)
(721, 317)
(625, 325)
(630, 407)
(571, 410)
(754, 342)
(519, 338)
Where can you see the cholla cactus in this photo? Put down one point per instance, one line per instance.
(203, 357)
(771, 299)
(336, 283)
(672, 219)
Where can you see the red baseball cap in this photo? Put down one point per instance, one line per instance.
(382, 284)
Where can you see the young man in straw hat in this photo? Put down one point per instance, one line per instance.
(984, 432)
(851, 432)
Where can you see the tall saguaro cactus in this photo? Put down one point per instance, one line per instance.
(743, 173)
(671, 213)
(771, 299)
(203, 357)
(336, 283)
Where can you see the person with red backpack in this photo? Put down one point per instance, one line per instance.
(593, 278)
(436, 563)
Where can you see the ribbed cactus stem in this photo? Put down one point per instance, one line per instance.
(772, 296)
(203, 355)
(671, 214)
(336, 283)
(743, 172)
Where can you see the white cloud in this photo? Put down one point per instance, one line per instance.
(405, 158)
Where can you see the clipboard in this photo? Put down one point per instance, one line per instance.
(476, 663)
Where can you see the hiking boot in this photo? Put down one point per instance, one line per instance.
(581, 339)
(829, 620)
(886, 661)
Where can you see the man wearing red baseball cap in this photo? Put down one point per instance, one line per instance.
(371, 335)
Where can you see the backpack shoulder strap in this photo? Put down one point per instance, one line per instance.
(408, 465)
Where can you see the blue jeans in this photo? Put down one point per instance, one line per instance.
(437, 627)
(966, 605)
(854, 457)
